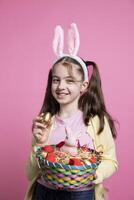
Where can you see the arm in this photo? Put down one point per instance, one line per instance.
(32, 168)
(40, 137)
(109, 162)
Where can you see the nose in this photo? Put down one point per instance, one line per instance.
(61, 84)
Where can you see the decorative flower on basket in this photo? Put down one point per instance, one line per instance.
(67, 164)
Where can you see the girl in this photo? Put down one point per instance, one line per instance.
(75, 100)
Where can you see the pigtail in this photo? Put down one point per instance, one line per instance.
(92, 102)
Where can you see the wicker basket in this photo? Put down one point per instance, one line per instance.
(66, 176)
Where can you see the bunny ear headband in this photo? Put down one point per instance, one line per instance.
(73, 46)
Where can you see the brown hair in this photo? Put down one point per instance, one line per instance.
(91, 103)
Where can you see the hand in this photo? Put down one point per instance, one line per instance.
(98, 178)
(40, 131)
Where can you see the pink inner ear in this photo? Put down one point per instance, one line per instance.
(73, 40)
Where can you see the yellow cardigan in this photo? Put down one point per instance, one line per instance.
(103, 142)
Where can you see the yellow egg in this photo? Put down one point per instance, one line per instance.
(47, 117)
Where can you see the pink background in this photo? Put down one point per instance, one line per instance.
(26, 31)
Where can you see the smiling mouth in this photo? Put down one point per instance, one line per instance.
(61, 94)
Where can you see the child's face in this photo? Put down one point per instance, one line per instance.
(67, 88)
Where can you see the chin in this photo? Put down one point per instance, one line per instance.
(62, 102)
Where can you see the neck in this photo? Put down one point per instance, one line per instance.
(68, 110)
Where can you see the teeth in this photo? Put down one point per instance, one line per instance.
(61, 94)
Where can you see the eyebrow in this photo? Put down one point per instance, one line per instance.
(54, 76)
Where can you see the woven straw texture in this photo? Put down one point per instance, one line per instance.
(67, 176)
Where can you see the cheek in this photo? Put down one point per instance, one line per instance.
(52, 89)
(53, 86)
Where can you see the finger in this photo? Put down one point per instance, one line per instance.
(37, 131)
(37, 120)
(42, 114)
(39, 117)
(37, 137)
(39, 125)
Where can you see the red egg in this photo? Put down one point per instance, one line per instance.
(48, 148)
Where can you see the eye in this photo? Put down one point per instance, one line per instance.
(70, 81)
(55, 80)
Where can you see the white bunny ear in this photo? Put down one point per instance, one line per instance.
(58, 41)
(73, 40)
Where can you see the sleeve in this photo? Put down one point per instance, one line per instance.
(109, 162)
(32, 168)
